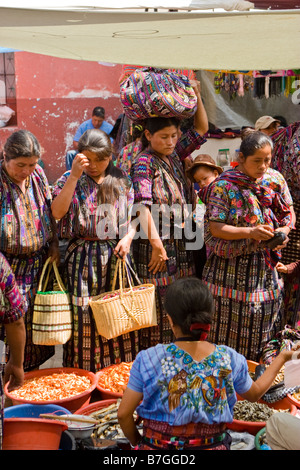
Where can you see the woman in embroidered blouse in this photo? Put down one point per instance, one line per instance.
(12, 312)
(28, 231)
(245, 206)
(159, 182)
(185, 391)
(93, 204)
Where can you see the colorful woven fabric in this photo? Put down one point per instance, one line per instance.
(26, 228)
(192, 436)
(25, 223)
(127, 154)
(248, 297)
(12, 304)
(286, 156)
(149, 92)
(127, 70)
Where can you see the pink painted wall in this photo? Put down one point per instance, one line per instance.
(54, 96)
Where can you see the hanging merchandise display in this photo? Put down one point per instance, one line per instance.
(261, 83)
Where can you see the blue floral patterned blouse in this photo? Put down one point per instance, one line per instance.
(179, 390)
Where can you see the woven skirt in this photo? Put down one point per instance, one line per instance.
(27, 272)
(290, 254)
(198, 436)
(248, 298)
(180, 264)
(88, 271)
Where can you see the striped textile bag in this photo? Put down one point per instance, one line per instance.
(124, 310)
(52, 314)
(150, 92)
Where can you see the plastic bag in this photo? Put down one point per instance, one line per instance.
(292, 371)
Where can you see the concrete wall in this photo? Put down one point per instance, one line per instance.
(55, 95)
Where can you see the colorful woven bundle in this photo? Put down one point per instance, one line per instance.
(150, 92)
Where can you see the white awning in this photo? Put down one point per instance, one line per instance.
(231, 40)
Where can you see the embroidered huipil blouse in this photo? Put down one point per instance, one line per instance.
(86, 218)
(238, 206)
(286, 158)
(179, 390)
(155, 182)
(12, 303)
(26, 224)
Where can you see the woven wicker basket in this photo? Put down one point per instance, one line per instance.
(120, 311)
(52, 315)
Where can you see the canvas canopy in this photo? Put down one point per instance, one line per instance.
(197, 39)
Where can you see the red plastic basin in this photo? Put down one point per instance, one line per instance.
(32, 434)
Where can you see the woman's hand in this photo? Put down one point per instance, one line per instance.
(282, 268)
(287, 354)
(80, 162)
(158, 259)
(123, 247)
(54, 253)
(261, 233)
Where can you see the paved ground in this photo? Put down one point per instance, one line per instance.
(54, 361)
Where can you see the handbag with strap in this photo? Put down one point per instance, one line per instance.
(127, 309)
(52, 314)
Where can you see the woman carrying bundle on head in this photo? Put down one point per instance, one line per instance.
(185, 391)
(160, 184)
(93, 204)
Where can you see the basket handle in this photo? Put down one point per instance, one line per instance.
(57, 275)
(118, 270)
(121, 263)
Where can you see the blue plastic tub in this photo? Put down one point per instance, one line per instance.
(33, 411)
(67, 441)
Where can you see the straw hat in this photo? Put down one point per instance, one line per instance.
(203, 160)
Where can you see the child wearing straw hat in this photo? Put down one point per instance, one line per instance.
(203, 170)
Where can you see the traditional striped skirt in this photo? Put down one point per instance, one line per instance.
(197, 436)
(180, 264)
(1, 405)
(88, 271)
(248, 298)
(27, 272)
(290, 254)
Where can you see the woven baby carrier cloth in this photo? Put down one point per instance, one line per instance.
(150, 92)
(52, 314)
(126, 309)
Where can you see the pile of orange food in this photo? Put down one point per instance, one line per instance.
(52, 387)
(115, 378)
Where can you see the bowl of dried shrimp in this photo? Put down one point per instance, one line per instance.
(251, 417)
(112, 380)
(68, 387)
